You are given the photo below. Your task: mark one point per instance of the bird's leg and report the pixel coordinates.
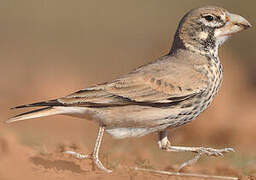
(95, 155)
(165, 144)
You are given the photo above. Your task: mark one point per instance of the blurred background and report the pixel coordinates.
(52, 48)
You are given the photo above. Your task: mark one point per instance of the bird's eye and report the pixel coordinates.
(208, 18)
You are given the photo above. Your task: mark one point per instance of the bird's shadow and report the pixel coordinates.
(59, 165)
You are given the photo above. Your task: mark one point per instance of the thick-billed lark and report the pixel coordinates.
(167, 93)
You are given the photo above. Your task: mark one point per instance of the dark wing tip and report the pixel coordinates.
(54, 102)
(22, 106)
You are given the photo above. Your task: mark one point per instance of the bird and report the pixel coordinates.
(164, 94)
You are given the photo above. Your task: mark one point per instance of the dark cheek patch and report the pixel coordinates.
(210, 42)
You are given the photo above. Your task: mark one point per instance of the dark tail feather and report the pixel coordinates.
(43, 103)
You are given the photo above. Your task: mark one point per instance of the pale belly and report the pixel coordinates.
(134, 120)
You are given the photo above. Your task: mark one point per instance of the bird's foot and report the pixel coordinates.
(201, 151)
(78, 155)
(213, 152)
(165, 144)
(92, 157)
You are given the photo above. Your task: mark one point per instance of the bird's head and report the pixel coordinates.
(205, 29)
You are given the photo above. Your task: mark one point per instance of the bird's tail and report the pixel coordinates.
(48, 110)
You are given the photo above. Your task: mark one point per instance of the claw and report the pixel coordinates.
(230, 150)
(77, 155)
(221, 154)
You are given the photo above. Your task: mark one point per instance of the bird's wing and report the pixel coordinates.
(158, 84)
(162, 82)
